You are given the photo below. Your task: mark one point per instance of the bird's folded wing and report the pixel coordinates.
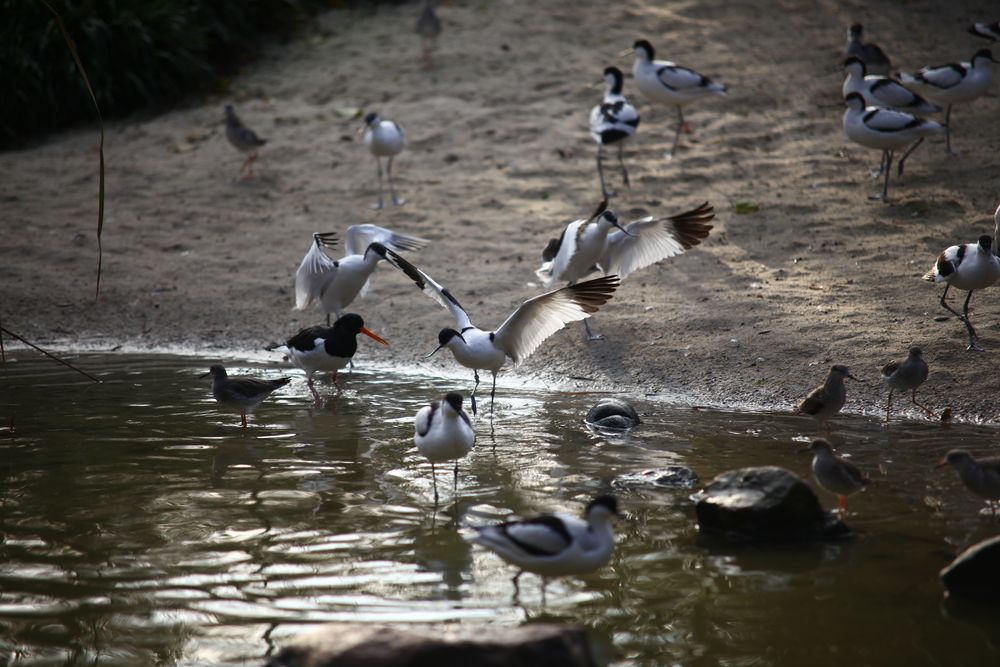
(943, 77)
(680, 78)
(431, 288)
(359, 237)
(889, 120)
(653, 240)
(538, 318)
(315, 270)
(540, 536)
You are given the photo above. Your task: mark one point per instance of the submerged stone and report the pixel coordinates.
(975, 573)
(613, 413)
(764, 504)
(371, 645)
(669, 477)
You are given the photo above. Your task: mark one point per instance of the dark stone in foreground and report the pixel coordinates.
(975, 573)
(613, 413)
(669, 477)
(764, 504)
(369, 645)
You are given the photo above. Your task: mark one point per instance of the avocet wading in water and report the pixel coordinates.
(316, 349)
(664, 82)
(520, 334)
(334, 285)
(589, 245)
(870, 54)
(554, 545)
(887, 130)
(970, 267)
(385, 139)
(243, 139)
(953, 83)
(613, 121)
(443, 432)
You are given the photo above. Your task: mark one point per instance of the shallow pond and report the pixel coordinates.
(139, 526)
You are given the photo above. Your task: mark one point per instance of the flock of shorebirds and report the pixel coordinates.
(883, 113)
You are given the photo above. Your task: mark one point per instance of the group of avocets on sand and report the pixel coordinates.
(882, 113)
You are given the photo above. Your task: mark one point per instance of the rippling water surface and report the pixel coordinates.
(139, 527)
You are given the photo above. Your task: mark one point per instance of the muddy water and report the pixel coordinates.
(139, 526)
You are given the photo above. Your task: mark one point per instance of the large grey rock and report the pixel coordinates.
(975, 573)
(764, 504)
(369, 645)
(668, 477)
(613, 413)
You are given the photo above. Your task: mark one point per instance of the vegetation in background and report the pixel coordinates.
(139, 54)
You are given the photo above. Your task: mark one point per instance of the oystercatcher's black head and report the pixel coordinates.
(371, 119)
(454, 400)
(985, 242)
(644, 48)
(603, 505)
(351, 322)
(445, 337)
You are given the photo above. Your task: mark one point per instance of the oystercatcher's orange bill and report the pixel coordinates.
(368, 332)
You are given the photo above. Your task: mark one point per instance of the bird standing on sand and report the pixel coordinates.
(326, 348)
(589, 244)
(613, 121)
(887, 130)
(336, 284)
(384, 138)
(554, 545)
(906, 375)
(883, 91)
(953, 83)
(240, 392)
(663, 82)
(981, 476)
(970, 267)
(443, 432)
(520, 334)
(871, 55)
(428, 27)
(834, 473)
(826, 400)
(990, 31)
(243, 139)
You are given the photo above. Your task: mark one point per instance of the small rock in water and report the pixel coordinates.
(975, 573)
(670, 477)
(372, 645)
(764, 504)
(613, 413)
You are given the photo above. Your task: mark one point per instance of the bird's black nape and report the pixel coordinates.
(645, 46)
(610, 503)
(454, 400)
(371, 118)
(618, 79)
(445, 336)
(986, 242)
(377, 248)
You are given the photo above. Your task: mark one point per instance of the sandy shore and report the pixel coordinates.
(499, 159)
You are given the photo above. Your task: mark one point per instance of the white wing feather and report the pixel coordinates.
(359, 237)
(538, 318)
(566, 251)
(314, 272)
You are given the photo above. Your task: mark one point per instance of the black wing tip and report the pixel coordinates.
(691, 226)
(590, 295)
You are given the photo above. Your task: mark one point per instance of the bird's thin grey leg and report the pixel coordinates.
(517, 586)
(677, 135)
(947, 132)
(930, 413)
(590, 334)
(621, 162)
(493, 394)
(973, 345)
(472, 399)
(885, 184)
(899, 167)
(875, 173)
(392, 189)
(544, 583)
(378, 164)
(434, 482)
(454, 487)
(600, 172)
(888, 406)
